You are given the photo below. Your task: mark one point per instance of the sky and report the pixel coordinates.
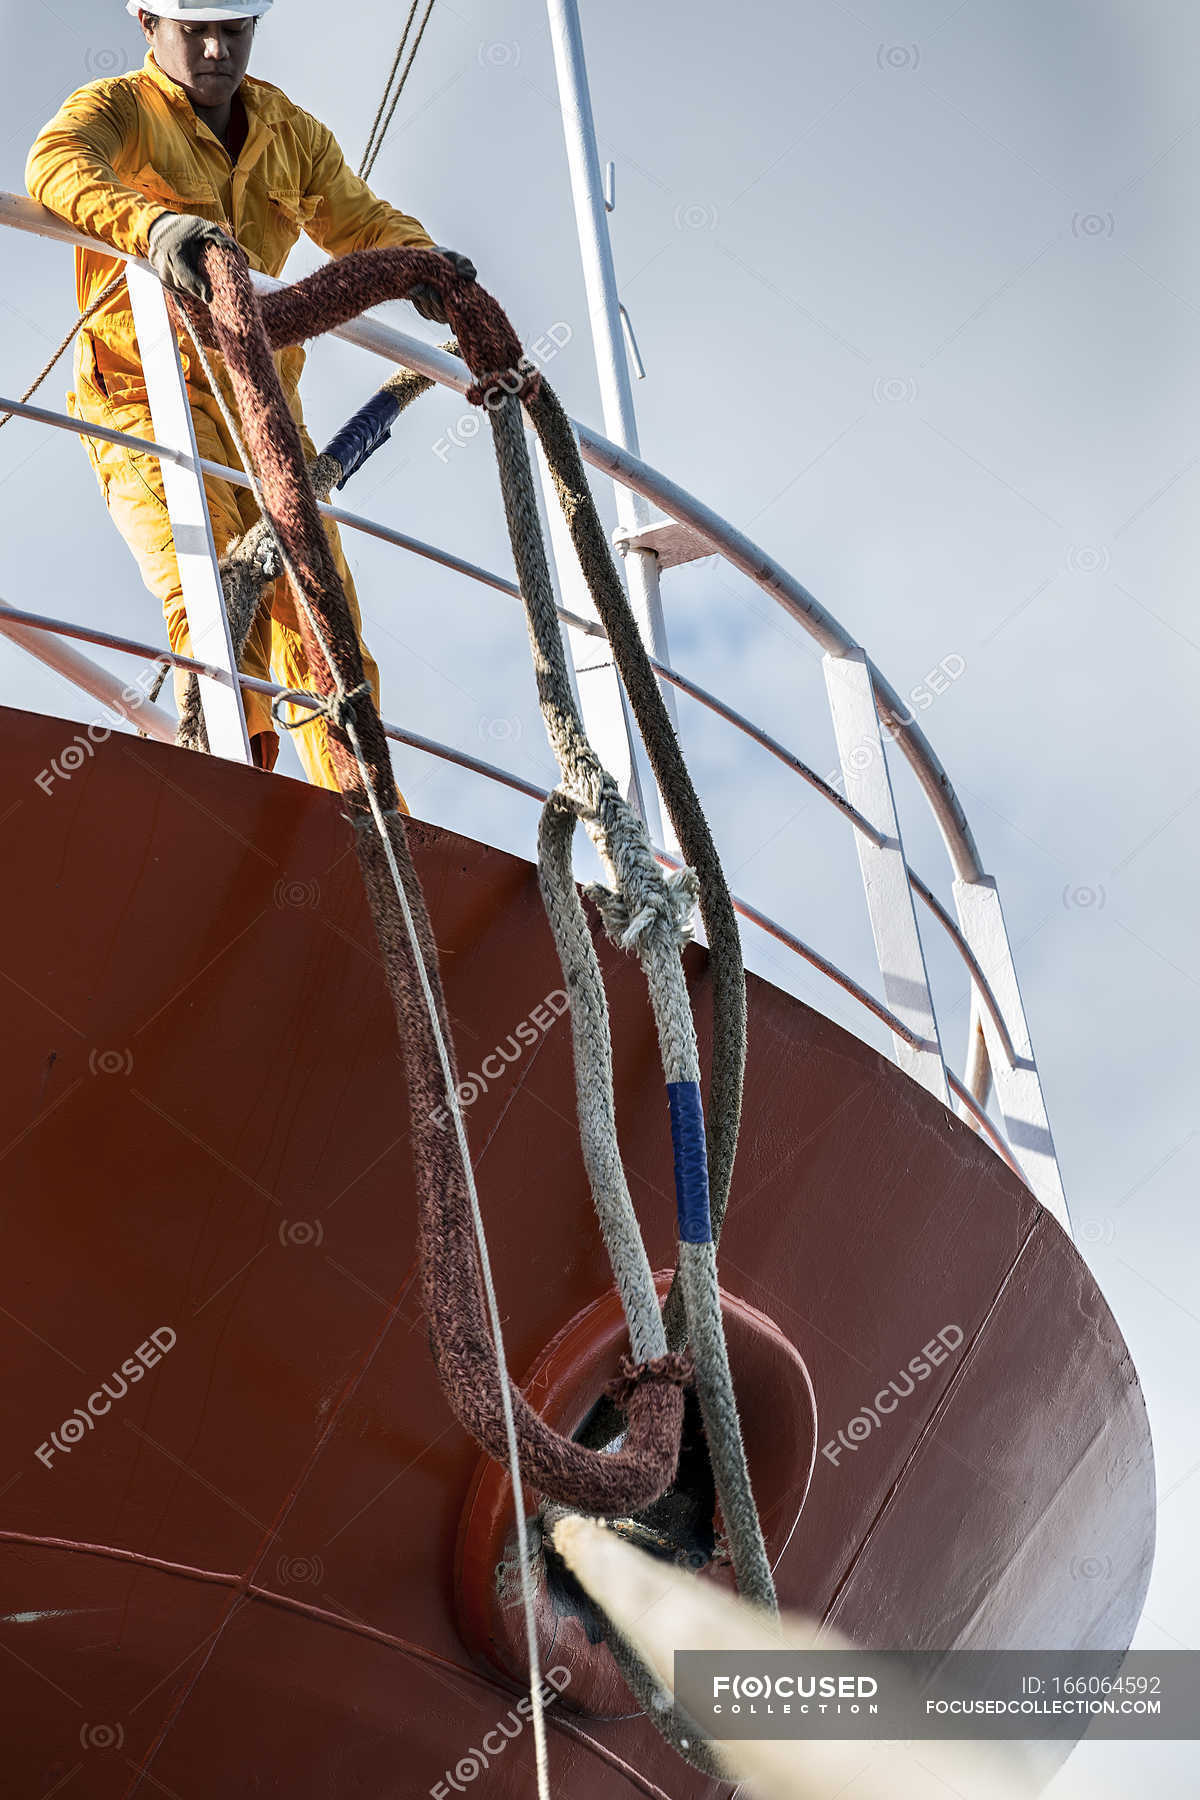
(917, 288)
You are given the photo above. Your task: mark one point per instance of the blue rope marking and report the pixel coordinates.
(362, 435)
(691, 1162)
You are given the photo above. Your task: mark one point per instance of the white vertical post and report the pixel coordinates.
(884, 870)
(199, 570)
(128, 699)
(598, 689)
(1018, 1087)
(612, 366)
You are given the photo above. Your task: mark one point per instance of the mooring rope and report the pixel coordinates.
(251, 563)
(642, 909)
(340, 707)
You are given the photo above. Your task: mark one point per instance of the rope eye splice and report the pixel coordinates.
(651, 914)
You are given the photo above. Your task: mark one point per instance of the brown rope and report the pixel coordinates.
(723, 1113)
(83, 318)
(633, 1477)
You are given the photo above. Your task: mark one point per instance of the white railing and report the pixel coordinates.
(866, 713)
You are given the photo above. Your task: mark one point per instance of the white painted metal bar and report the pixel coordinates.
(884, 871)
(1018, 1085)
(403, 540)
(128, 699)
(741, 552)
(10, 623)
(38, 624)
(992, 1002)
(191, 527)
(609, 342)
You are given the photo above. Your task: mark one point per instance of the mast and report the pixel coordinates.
(612, 368)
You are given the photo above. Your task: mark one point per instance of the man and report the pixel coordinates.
(158, 162)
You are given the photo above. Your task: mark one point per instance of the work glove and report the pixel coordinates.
(175, 245)
(426, 298)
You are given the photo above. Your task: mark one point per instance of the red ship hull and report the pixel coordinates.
(259, 1570)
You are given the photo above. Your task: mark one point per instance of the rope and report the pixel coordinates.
(374, 145)
(642, 909)
(648, 913)
(644, 1467)
(387, 88)
(342, 714)
(250, 563)
(83, 318)
(683, 806)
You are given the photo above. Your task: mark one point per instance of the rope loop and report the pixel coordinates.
(337, 707)
(672, 907)
(491, 390)
(676, 1369)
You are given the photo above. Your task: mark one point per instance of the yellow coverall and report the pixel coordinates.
(117, 154)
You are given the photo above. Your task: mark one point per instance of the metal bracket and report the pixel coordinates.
(670, 541)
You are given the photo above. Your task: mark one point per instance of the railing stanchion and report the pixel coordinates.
(199, 570)
(1018, 1086)
(884, 870)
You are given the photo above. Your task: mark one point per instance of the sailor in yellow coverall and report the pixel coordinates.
(187, 142)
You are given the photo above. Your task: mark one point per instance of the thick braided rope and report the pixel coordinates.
(592, 1045)
(645, 920)
(683, 805)
(464, 1349)
(647, 913)
(251, 563)
(643, 910)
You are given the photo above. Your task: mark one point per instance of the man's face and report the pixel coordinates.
(207, 59)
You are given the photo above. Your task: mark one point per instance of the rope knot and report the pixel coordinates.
(669, 902)
(675, 1369)
(337, 707)
(492, 390)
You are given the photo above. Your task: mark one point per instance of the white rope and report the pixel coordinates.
(514, 1462)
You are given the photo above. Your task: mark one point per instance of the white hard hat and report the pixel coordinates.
(201, 12)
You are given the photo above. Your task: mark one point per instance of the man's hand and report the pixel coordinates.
(426, 298)
(175, 246)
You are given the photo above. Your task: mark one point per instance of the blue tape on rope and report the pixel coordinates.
(691, 1162)
(362, 435)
